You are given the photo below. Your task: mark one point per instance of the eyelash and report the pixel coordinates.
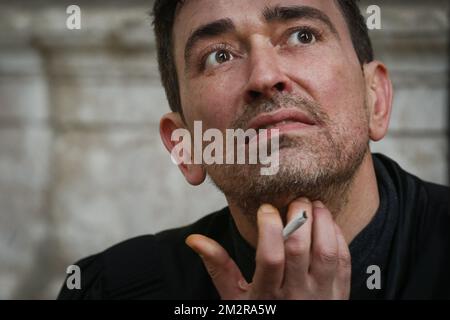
(223, 46)
(215, 47)
(315, 32)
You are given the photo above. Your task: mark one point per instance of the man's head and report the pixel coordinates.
(164, 17)
(226, 62)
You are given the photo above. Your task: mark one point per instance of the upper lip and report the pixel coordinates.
(267, 119)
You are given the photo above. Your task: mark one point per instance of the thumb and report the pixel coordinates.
(223, 271)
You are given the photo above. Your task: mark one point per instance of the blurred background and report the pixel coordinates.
(81, 162)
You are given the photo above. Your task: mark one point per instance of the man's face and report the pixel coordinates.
(260, 57)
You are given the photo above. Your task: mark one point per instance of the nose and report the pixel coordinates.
(266, 77)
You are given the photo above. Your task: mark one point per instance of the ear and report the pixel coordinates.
(194, 173)
(379, 94)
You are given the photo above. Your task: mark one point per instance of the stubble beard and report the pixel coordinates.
(319, 165)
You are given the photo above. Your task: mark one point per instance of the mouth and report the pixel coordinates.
(284, 120)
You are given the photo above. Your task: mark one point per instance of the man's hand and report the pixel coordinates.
(313, 263)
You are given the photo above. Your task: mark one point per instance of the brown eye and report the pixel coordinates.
(305, 37)
(218, 57)
(222, 56)
(302, 37)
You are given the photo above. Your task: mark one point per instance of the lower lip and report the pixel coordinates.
(283, 128)
(290, 126)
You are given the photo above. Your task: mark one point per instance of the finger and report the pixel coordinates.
(324, 246)
(298, 245)
(223, 271)
(343, 277)
(269, 253)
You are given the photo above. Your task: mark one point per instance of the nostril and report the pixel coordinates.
(280, 86)
(268, 91)
(254, 94)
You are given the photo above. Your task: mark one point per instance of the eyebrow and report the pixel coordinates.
(270, 14)
(286, 13)
(208, 30)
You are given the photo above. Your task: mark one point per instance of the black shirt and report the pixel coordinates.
(408, 239)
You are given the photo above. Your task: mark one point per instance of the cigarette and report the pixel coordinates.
(294, 225)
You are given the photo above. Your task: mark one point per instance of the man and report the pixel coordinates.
(306, 69)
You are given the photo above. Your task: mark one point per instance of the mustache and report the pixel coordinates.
(279, 101)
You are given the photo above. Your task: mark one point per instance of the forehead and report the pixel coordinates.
(194, 13)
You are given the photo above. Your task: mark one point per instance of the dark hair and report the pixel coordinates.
(163, 21)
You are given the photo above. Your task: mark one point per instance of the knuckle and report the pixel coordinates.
(270, 262)
(213, 272)
(296, 249)
(345, 261)
(327, 256)
(216, 271)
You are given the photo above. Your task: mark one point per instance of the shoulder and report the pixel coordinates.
(412, 190)
(141, 266)
(438, 195)
(422, 234)
(422, 207)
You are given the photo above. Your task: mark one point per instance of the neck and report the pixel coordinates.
(352, 208)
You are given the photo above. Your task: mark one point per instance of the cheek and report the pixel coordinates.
(338, 87)
(213, 100)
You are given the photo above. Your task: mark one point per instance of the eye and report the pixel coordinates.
(302, 37)
(218, 57)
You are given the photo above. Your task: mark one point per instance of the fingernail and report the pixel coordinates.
(193, 248)
(305, 200)
(266, 208)
(318, 204)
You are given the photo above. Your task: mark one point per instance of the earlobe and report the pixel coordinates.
(170, 127)
(379, 99)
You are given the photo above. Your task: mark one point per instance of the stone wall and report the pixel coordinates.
(81, 162)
